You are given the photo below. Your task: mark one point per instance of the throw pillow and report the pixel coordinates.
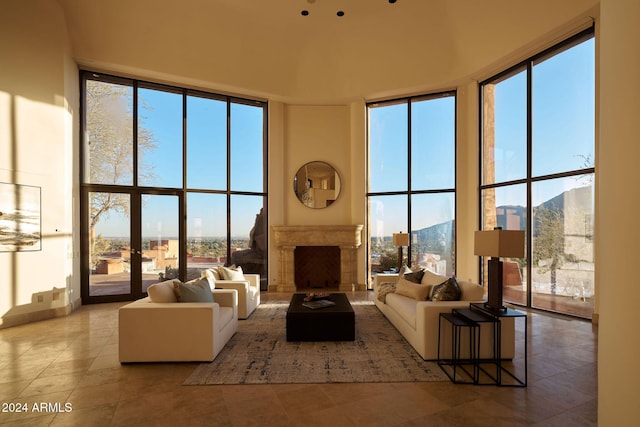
(215, 271)
(404, 270)
(431, 278)
(446, 291)
(414, 276)
(162, 292)
(211, 275)
(412, 290)
(231, 273)
(197, 290)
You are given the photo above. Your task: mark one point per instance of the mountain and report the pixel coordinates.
(440, 234)
(514, 217)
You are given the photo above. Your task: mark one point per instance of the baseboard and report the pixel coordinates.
(10, 321)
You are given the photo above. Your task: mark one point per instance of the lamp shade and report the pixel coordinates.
(499, 243)
(400, 239)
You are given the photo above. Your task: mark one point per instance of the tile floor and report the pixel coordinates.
(73, 361)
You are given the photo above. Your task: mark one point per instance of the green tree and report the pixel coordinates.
(389, 260)
(548, 249)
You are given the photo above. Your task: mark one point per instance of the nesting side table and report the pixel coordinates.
(484, 371)
(457, 363)
(501, 367)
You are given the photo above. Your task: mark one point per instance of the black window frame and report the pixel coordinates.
(526, 65)
(183, 190)
(410, 191)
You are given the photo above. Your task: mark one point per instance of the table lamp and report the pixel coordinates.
(498, 243)
(400, 239)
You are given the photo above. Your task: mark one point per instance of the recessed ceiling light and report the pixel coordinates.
(304, 13)
(340, 13)
(392, 1)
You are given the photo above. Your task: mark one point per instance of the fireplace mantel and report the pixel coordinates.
(287, 237)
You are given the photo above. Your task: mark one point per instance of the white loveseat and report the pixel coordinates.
(417, 321)
(177, 331)
(247, 285)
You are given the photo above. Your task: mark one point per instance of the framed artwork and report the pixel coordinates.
(19, 218)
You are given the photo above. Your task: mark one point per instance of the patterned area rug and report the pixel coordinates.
(260, 354)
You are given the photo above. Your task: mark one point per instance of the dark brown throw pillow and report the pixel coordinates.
(404, 270)
(448, 290)
(414, 276)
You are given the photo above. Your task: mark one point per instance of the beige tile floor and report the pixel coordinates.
(73, 361)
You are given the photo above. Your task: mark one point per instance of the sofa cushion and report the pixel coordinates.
(412, 290)
(384, 289)
(446, 291)
(470, 291)
(162, 292)
(231, 273)
(405, 307)
(197, 290)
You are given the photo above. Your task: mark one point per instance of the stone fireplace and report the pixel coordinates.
(346, 238)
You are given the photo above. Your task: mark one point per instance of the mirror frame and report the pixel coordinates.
(306, 184)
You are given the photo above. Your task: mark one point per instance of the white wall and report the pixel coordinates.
(38, 100)
(467, 164)
(617, 214)
(316, 133)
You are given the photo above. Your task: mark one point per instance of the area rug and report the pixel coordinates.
(260, 354)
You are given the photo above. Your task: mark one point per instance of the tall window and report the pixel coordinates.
(173, 182)
(412, 150)
(537, 167)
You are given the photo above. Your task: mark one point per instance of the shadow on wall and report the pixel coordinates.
(44, 305)
(20, 221)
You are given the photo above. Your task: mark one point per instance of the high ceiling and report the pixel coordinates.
(268, 49)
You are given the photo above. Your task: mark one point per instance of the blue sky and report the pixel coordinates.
(563, 139)
(563, 103)
(207, 166)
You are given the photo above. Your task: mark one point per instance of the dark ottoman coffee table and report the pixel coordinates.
(335, 323)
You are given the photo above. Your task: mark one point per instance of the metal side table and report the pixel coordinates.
(458, 365)
(499, 315)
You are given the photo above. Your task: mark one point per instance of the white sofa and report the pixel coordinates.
(417, 321)
(248, 290)
(177, 331)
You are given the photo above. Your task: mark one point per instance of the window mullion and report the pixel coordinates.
(409, 173)
(528, 232)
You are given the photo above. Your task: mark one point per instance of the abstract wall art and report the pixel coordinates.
(19, 218)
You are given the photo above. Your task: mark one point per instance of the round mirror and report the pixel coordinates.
(316, 185)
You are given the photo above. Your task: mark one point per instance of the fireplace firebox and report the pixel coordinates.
(317, 267)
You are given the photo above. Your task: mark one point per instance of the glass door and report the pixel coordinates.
(159, 256)
(109, 244)
(132, 243)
